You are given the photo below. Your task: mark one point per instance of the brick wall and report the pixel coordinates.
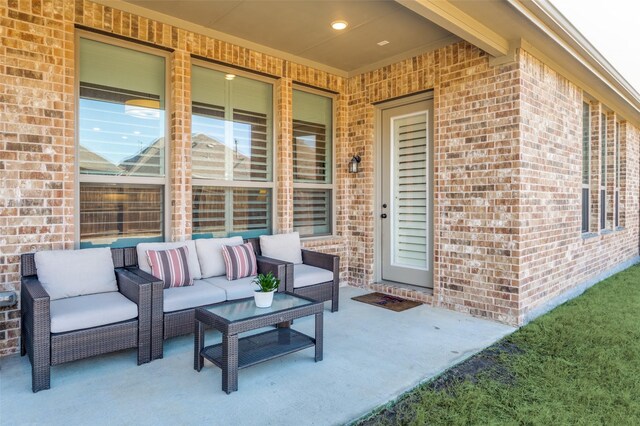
(475, 149)
(37, 136)
(507, 149)
(554, 256)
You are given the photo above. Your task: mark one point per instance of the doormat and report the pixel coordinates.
(392, 303)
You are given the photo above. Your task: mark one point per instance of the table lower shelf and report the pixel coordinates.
(262, 347)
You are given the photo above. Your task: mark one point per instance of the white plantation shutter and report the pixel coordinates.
(109, 213)
(312, 163)
(221, 211)
(312, 211)
(231, 154)
(121, 150)
(410, 159)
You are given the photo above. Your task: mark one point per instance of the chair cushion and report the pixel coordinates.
(240, 261)
(210, 254)
(200, 293)
(237, 289)
(306, 275)
(171, 266)
(282, 246)
(92, 310)
(71, 273)
(194, 266)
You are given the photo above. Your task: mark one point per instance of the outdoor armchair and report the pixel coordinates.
(309, 273)
(58, 329)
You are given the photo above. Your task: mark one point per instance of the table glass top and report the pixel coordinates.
(246, 308)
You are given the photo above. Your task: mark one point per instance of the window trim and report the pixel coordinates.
(603, 171)
(587, 185)
(616, 176)
(334, 163)
(274, 144)
(139, 180)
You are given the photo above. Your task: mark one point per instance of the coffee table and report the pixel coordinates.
(239, 316)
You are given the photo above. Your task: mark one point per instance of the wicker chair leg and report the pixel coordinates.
(40, 377)
(334, 303)
(23, 340)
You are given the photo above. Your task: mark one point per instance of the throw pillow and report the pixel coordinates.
(210, 254)
(171, 266)
(240, 261)
(282, 247)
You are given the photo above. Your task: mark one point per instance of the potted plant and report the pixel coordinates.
(268, 285)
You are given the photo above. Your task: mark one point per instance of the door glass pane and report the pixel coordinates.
(410, 191)
(119, 215)
(222, 212)
(121, 111)
(232, 127)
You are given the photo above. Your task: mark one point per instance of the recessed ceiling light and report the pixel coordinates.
(339, 25)
(383, 42)
(230, 76)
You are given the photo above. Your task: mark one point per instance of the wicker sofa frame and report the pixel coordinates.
(322, 292)
(171, 324)
(46, 349)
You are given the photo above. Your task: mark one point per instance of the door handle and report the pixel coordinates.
(383, 215)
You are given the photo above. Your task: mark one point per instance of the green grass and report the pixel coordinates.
(579, 364)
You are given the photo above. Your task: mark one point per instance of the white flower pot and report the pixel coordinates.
(263, 299)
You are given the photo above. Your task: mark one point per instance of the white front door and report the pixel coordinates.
(406, 210)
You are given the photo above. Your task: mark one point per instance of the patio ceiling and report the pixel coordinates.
(303, 28)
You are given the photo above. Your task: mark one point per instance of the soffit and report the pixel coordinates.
(302, 28)
(554, 42)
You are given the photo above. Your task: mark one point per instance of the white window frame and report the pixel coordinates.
(323, 186)
(616, 177)
(602, 220)
(164, 181)
(587, 185)
(271, 185)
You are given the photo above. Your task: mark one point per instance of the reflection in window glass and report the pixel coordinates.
(222, 212)
(121, 136)
(231, 127)
(312, 163)
(231, 154)
(120, 215)
(121, 111)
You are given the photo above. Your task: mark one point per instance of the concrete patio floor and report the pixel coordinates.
(371, 356)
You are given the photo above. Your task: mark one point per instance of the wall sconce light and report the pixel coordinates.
(354, 164)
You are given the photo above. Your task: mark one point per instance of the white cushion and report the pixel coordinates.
(194, 266)
(306, 275)
(93, 310)
(282, 247)
(210, 254)
(70, 273)
(236, 289)
(200, 293)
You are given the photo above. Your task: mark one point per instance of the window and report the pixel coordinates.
(603, 171)
(586, 165)
(312, 163)
(121, 145)
(232, 150)
(617, 178)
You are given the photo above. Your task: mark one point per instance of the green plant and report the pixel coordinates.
(267, 282)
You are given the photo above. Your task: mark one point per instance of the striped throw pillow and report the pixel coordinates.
(171, 266)
(240, 261)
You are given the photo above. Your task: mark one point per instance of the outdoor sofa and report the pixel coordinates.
(173, 309)
(79, 304)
